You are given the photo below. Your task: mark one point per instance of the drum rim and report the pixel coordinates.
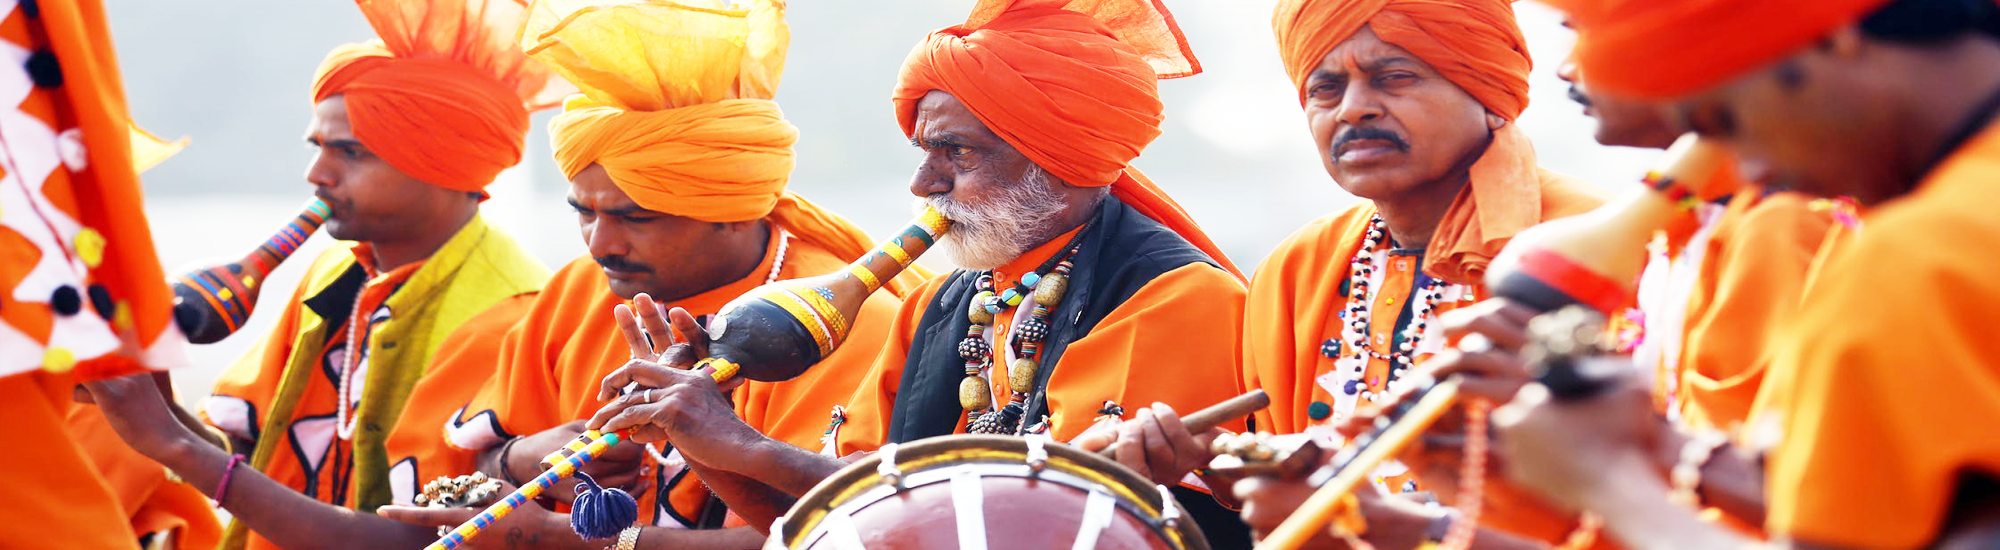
(807, 517)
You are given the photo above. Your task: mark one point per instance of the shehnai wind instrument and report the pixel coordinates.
(1591, 260)
(772, 333)
(212, 302)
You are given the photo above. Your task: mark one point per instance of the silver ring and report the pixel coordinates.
(647, 396)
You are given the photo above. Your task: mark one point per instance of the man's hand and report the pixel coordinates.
(621, 466)
(659, 335)
(1393, 521)
(1568, 451)
(1155, 444)
(529, 526)
(136, 408)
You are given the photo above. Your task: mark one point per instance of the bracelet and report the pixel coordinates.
(507, 474)
(222, 489)
(627, 539)
(1686, 475)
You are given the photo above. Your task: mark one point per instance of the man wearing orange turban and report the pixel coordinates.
(1029, 116)
(678, 162)
(1412, 105)
(1888, 365)
(410, 129)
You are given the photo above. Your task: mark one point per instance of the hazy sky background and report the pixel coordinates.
(235, 75)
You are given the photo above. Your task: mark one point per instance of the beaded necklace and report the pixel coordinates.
(350, 362)
(1358, 318)
(975, 392)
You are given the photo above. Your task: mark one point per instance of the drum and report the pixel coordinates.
(986, 491)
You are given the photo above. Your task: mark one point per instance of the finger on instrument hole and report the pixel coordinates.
(635, 337)
(655, 323)
(646, 373)
(696, 336)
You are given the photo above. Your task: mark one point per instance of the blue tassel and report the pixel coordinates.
(600, 513)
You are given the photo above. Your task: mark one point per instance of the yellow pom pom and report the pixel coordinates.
(58, 360)
(90, 247)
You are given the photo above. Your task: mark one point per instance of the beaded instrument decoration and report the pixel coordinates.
(565, 467)
(779, 329)
(975, 393)
(213, 302)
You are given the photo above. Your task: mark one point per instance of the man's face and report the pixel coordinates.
(1387, 123)
(1809, 123)
(369, 199)
(1620, 121)
(639, 249)
(1000, 203)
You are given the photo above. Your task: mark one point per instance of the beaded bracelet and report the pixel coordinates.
(222, 489)
(1686, 475)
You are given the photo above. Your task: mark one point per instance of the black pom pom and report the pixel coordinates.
(44, 70)
(100, 300)
(66, 301)
(30, 8)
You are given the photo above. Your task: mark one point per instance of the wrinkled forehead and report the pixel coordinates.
(942, 116)
(1365, 52)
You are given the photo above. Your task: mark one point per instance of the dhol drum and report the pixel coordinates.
(986, 491)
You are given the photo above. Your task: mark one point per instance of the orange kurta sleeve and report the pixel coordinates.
(153, 502)
(799, 411)
(1893, 371)
(417, 446)
(865, 426)
(1749, 286)
(1175, 341)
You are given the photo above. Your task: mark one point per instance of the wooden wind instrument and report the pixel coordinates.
(1591, 259)
(210, 303)
(772, 333)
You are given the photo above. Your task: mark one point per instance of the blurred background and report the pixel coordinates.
(235, 76)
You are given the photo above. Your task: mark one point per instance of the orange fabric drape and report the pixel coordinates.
(1664, 48)
(1071, 84)
(443, 95)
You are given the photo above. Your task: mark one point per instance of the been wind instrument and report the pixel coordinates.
(772, 333)
(211, 303)
(1590, 260)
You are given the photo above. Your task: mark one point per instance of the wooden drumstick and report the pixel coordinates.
(1207, 419)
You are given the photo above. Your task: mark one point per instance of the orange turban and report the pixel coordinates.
(1473, 43)
(1657, 49)
(676, 106)
(443, 95)
(1072, 84)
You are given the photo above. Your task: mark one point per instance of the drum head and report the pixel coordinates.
(985, 491)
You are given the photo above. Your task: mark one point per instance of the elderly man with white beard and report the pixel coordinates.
(1084, 296)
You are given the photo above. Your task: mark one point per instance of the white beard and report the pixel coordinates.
(1015, 220)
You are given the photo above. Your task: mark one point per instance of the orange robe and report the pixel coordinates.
(1170, 342)
(1295, 305)
(154, 502)
(552, 364)
(1713, 302)
(1889, 381)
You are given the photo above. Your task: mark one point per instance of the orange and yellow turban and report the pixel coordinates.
(676, 106)
(442, 95)
(1072, 84)
(1658, 49)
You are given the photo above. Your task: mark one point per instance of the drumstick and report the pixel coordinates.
(1207, 419)
(1325, 501)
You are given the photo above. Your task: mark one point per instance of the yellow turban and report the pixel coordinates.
(676, 106)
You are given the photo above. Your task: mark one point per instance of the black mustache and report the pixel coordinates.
(619, 263)
(1576, 94)
(1369, 132)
